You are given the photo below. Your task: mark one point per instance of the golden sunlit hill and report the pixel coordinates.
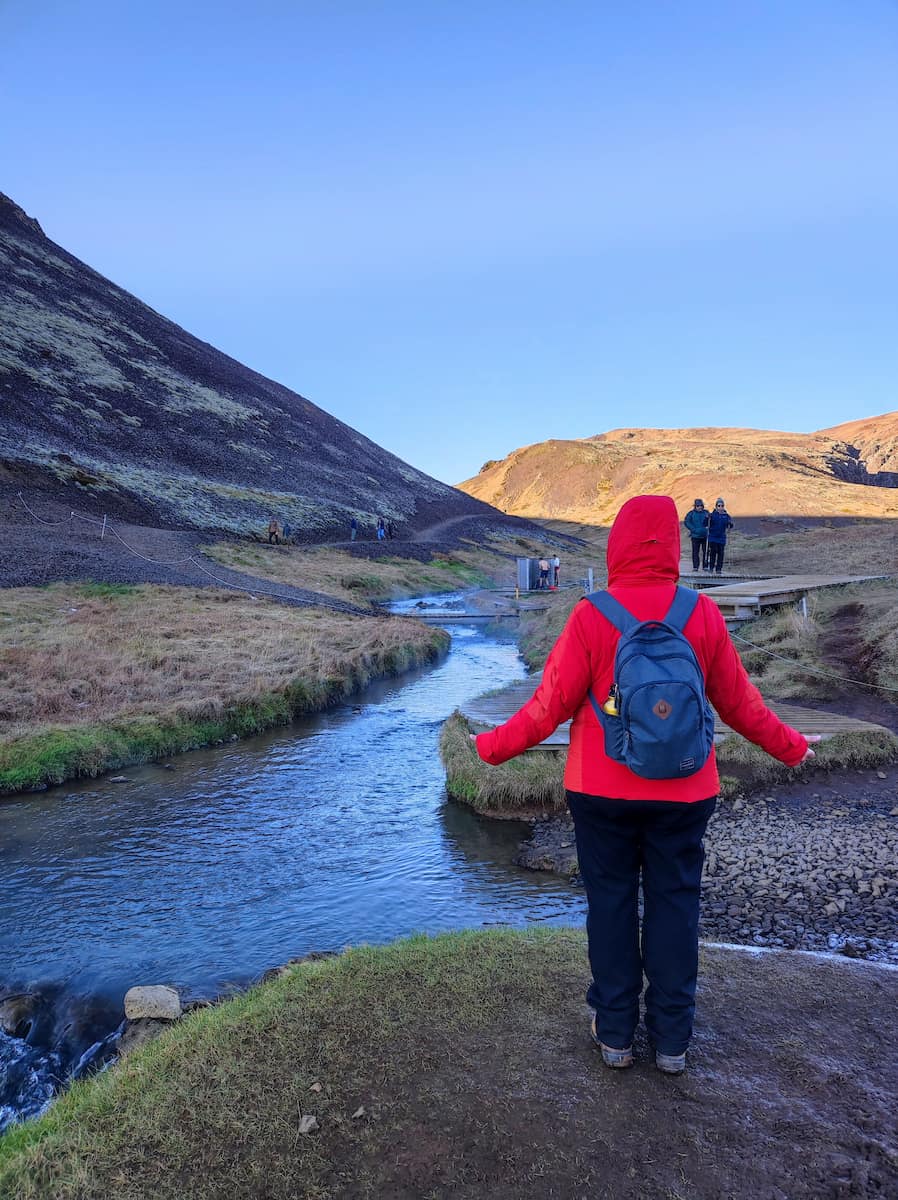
(850, 470)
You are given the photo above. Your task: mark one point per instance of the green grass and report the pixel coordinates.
(744, 767)
(227, 1084)
(91, 589)
(461, 1066)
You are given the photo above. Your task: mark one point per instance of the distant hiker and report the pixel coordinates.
(718, 525)
(630, 827)
(390, 530)
(288, 530)
(381, 531)
(556, 569)
(543, 573)
(696, 521)
(273, 532)
(353, 529)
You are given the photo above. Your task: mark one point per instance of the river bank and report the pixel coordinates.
(286, 1093)
(204, 871)
(99, 677)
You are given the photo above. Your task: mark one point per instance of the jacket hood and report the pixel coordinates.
(644, 543)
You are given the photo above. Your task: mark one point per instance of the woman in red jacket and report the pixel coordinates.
(628, 827)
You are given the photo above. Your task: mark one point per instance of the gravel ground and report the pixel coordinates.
(76, 548)
(807, 866)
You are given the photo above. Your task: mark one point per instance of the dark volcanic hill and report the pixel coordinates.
(107, 405)
(850, 470)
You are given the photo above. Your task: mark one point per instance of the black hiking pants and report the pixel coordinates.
(699, 552)
(715, 556)
(621, 843)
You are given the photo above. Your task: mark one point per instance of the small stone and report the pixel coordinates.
(118, 778)
(308, 1124)
(316, 1087)
(881, 775)
(831, 909)
(894, 812)
(359, 1112)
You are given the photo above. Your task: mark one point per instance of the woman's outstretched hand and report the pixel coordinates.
(809, 753)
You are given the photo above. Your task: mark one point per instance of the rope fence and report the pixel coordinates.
(108, 527)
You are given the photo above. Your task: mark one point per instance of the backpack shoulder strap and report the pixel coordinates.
(621, 618)
(682, 608)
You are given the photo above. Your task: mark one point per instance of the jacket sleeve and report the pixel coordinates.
(565, 682)
(739, 702)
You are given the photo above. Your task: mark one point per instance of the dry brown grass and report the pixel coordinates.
(865, 548)
(94, 676)
(355, 580)
(72, 657)
(788, 664)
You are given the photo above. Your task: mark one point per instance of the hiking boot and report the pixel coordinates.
(618, 1060)
(670, 1064)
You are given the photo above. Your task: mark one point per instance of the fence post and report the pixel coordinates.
(103, 530)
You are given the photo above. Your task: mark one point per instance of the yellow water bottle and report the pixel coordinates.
(610, 705)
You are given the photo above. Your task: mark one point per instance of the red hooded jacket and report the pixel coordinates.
(643, 567)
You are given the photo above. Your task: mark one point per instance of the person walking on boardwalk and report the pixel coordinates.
(718, 525)
(629, 828)
(696, 521)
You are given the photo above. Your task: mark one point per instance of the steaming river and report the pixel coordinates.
(331, 832)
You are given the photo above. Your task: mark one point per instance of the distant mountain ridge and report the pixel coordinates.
(104, 403)
(848, 470)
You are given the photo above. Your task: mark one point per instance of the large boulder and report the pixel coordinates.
(154, 1002)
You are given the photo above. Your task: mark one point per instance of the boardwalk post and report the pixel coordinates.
(589, 587)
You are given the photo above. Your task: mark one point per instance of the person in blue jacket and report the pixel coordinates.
(696, 521)
(718, 525)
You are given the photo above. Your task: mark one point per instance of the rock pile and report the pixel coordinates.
(812, 867)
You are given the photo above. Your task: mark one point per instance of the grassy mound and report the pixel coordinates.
(461, 1066)
(527, 784)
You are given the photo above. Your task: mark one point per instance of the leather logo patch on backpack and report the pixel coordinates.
(662, 710)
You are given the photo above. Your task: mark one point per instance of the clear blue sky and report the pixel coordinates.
(465, 227)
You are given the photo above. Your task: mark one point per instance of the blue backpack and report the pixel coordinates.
(657, 719)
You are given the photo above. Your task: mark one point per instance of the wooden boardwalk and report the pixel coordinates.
(742, 601)
(498, 707)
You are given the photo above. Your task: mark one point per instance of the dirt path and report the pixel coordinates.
(64, 548)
